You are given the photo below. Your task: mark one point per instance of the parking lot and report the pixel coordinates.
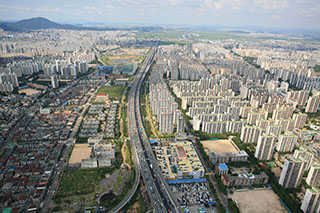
(189, 194)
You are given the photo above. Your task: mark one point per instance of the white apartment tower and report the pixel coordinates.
(313, 178)
(292, 172)
(311, 201)
(166, 123)
(299, 120)
(54, 81)
(180, 124)
(250, 134)
(265, 146)
(305, 154)
(286, 142)
(313, 104)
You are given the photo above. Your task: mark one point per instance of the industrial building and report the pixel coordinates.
(179, 160)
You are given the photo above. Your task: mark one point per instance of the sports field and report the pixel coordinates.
(80, 152)
(219, 146)
(260, 201)
(29, 91)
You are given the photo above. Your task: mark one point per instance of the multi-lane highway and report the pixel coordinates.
(156, 186)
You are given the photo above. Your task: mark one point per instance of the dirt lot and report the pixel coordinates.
(29, 91)
(276, 171)
(80, 152)
(219, 146)
(260, 201)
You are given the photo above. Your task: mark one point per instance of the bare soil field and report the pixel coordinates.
(260, 201)
(29, 91)
(80, 152)
(219, 146)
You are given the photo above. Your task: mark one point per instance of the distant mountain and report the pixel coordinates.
(34, 24)
(42, 23)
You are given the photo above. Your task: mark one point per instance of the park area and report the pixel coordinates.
(113, 91)
(79, 185)
(219, 146)
(84, 186)
(262, 201)
(125, 56)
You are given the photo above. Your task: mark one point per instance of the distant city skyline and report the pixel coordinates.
(264, 13)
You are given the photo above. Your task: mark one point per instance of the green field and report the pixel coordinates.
(106, 60)
(113, 91)
(83, 181)
(110, 200)
(136, 203)
(184, 36)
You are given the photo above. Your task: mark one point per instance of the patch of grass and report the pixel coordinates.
(119, 159)
(185, 36)
(106, 60)
(313, 114)
(233, 207)
(113, 91)
(252, 61)
(110, 200)
(81, 140)
(147, 124)
(82, 181)
(124, 120)
(128, 154)
(174, 42)
(96, 62)
(136, 204)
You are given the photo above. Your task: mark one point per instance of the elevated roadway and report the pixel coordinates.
(145, 161)
(157, 188)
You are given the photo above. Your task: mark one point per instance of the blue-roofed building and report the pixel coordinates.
(153, 142)
(104, 70)
(223, 169)
(198, 180)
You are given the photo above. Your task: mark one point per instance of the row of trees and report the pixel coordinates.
(215, 194)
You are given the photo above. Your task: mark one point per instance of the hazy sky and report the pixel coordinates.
(268, 13)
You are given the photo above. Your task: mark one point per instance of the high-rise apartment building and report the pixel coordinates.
(166, 123)
(286, 142)
(274, 130)
(305, 154)
(292, 172)
(265, 146)
(250, 134)
(313, 104)
(311, 201)
(54, 81)
(313, 178)
(180, 124)
(299, 120)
